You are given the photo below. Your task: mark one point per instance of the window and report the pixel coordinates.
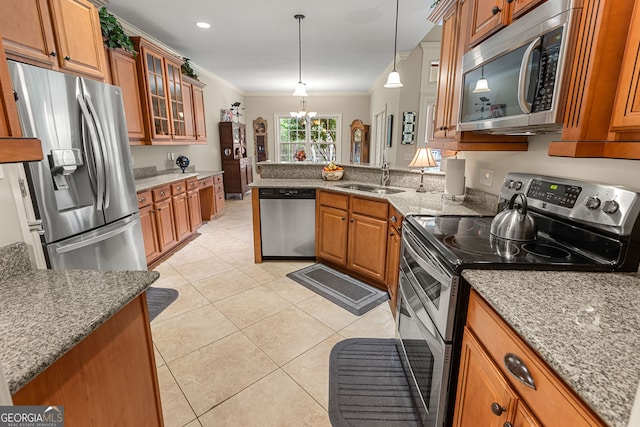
(317, 138)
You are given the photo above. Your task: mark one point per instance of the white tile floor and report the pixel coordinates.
(243, 345)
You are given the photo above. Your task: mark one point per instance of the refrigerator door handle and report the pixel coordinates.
(103, 147)
(93, 240)
(97, 153)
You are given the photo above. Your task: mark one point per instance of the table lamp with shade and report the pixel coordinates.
(422, 159)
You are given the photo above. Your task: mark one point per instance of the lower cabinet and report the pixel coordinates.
(195, 212)
(352, 233)
(108, 378)
(238, 174)
(503, 382)
(165, 218)
(211, 196)
(393, 255)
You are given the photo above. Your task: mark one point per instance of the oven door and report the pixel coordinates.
(435, 285)
(426, 357)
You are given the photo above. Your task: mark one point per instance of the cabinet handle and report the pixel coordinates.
(352, 220)
(519, 370)
(509, 1)
(507, 424)
(343, 218)
(179, 188)
(162, 193)
(67, 58)
(392, 234)
(53, 53)
(497, 409)
(495, 10)
(141, 199)
(393, 218)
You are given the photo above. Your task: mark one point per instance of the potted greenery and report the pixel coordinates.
(188, 70)
(112, 33)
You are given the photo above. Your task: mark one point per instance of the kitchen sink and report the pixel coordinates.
(371, 188)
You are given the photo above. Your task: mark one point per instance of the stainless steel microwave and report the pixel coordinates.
(513, 81)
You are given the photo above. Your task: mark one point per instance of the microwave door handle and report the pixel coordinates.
(103, 147)
(96, 157)
(525, 105)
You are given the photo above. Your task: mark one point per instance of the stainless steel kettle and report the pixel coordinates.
(515, 223)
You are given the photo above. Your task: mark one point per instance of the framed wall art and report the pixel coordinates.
(389, 129)
(408, 127)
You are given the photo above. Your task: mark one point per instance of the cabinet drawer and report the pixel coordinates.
(191, 183)
(369, 207)
(145, 198)
(339, 201)
(219, 189)
(217, 179)
(204, 183)
(552, 399)
(178, 188)
(161, 193)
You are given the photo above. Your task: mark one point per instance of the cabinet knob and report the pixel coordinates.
(67, 58)
(495, 10)
(352, 220)
(507, 424)
(53, 53)
(162, 193)
(392, 234)
(509, 1)
(343, 218)
(141, 199)
(179, 188)
(393, 218)
(497, 409)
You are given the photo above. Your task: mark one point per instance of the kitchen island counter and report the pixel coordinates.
(585, 326)
(46, 313)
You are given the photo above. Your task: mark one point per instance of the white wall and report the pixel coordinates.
(351, 107)
(10, 231)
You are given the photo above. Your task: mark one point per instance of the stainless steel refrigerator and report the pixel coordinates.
(83, 190)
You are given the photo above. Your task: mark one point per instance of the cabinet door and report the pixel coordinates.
(393, 264)
(524, 417)
(149, 232)
(25, 26)
(520, 7)
(125, 75)
(447, 70)
(332, 234)
(199, 114)
(368, 246)
(483, 398)
(165, 223)
(195, 212)
(243, 177)
(626, 112)
(156, 93)
(176, 101)
(77, 30)
(249, 172)
(487, 17)
(189, 118)
(181, 216)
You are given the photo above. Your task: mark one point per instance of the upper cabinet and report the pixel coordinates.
(56, 34)
(602, 113)
(455, 18)
(173, 107)
(123, 73)
(489, 16)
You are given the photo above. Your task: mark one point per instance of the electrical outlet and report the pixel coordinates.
(486, 177)
(408, 156)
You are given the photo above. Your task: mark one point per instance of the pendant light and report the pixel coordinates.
(393, 81)
(300, 87)
(302, 113)
(482, 85)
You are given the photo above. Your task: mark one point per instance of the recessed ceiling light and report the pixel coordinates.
(202, 24)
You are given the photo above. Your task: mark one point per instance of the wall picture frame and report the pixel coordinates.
(408, 127)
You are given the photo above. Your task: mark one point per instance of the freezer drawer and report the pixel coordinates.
(288, 225)
(117, 246)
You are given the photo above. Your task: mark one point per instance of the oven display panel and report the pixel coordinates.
(556, 194)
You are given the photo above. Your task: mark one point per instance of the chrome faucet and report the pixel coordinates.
(384, 178)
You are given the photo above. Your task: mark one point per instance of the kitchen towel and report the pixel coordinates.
(454, 177)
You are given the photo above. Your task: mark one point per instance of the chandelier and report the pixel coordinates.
(300, 87)
(302, 112)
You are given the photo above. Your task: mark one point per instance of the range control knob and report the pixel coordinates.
(592, 203)
(517, 185)
(508, 183)
(610, 207)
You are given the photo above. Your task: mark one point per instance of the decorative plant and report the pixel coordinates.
(435, 3)
(113, 34)
(187, 70)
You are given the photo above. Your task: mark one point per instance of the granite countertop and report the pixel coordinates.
(406, 202)
(586, 326)
(165, 178)
(45, 313)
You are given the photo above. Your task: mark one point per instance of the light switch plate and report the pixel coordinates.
(486, 177)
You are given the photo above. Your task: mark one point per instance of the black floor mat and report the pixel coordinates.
(368, 386)
(158, 299)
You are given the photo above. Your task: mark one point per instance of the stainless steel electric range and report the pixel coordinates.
(581, 226)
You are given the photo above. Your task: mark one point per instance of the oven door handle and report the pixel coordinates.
(427, 262)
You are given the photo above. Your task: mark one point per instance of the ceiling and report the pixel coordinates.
(253, 44)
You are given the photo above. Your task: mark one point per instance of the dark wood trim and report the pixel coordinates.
(13, 150)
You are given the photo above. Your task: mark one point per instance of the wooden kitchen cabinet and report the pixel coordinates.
(195, 124)
(165, 219)
(62, 35)
(393, 255)
(235, 163)
(124, 73)
(149, 225)
(193, 204)
(484, 379)
(352, 233)
(161, 92)
(211, 196)
(600, 118)
(108, 378)
(455, 18)
(180, 209)
(489, 16)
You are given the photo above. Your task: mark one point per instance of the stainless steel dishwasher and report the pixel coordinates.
(288, 223)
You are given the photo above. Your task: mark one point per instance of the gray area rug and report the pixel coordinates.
(339, 288)
(158, 299)
(368, 386)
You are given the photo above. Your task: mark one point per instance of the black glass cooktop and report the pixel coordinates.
(466, 242)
